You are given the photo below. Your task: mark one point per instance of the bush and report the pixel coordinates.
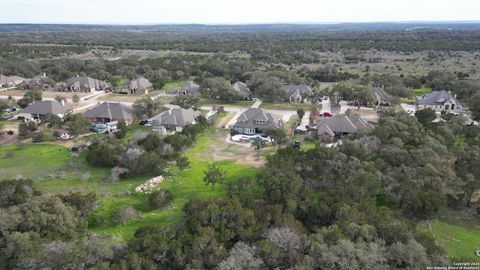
(159, 198)
(124, 214)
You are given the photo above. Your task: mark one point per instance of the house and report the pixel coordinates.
(382, 97)
(110, 111)
(139, 86)
(256, 120)
(40, 109)
(40, 82)
(242, 90)
(439, 101)
(85, 84)
(175, 119)
(337, 126)
(10, 81)
(188, 88)
(297, 93)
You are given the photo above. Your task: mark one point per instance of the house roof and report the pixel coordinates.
(176, 117)
(292, 88)
(85, 82)
(342, 124)
(251, 115)
(10, 79)
(188, 87)
(436, 98)
(39, 80)
(241, 88)
(381, 94)
(140, 83)
(110, 110)
(46, 107)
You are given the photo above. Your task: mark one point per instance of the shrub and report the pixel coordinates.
(159, 198)
(124, 214)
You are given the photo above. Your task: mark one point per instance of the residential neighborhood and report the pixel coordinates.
(240, 145)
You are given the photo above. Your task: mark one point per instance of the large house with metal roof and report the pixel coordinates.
(109, 112)
(85, 84)
(297, 93)
(256, 120)
(338, 126)
(175, 119)
(439, 101)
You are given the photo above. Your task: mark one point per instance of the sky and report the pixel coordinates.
(235, 12)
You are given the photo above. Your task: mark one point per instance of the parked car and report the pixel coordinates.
(7, 117)
(327, 114)
(10, 110)
(64, 137)
(99, 128)
(147, 123)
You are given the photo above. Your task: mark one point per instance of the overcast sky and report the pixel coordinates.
(234, 12)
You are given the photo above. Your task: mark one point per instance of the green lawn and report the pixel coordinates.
(239, 103)
(172, 85)
(460, 238)
(421, 91)
(290, 106)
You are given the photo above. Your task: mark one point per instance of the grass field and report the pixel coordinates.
(422, 91)
(172, 85)
(460, 238)
(239, 103)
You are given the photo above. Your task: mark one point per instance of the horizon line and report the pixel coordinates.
(249, 23)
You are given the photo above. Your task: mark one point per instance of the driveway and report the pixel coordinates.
(410, 109)
(326, 106)
(343, 106)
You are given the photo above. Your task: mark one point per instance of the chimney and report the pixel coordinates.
(62, 102)
(44, 75)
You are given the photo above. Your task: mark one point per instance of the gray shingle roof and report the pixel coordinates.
(188, 87)
(291, 89)
(85, 82)
(247, 119)
(342, 124)
(176, 117)
(140, 84)
(46, 107)
(380, 92)
(4, 80)
(110, 110)
(241, 89)
(436, 98)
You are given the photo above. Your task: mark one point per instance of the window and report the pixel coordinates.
(261, 122)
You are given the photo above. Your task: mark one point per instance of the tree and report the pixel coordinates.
(14, 192)
(121, 130)
(213, 175)
(146, 107)
(33, 96)
(425, 116)
(187, 102)
(258, 144)
(124, 214)
(75, 99)
(60, 99)
(53, 120)
(474, 105)
(159, 198)
(76, 123)
(25, 128)
(471, 185)
(183, 163)
(277, 135)
(300, 113)
(3, 106)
